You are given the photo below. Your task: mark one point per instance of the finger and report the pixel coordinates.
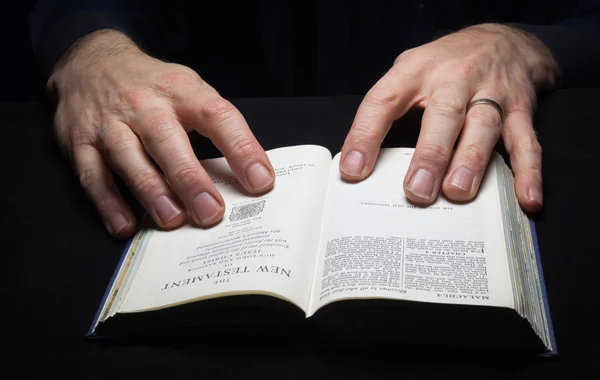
(388, 100)
(126, 155)
(96, 179)
(442, 121)
(525, 158)
(479, 135)
(217, 119)
(167, 143)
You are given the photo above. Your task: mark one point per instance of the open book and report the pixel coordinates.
(354, 257)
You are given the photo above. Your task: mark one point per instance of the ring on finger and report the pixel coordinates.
(489, 102)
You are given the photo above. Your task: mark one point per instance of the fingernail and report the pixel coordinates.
(462, 178)
(166, 209)
(421, 184)
(353, 164)
(206, 207)
(117, 223)
(259, 177)
(534, 195)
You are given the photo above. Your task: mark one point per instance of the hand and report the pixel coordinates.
(485, 61)
(119, 108)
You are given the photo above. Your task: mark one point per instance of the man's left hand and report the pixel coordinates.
(489, 61)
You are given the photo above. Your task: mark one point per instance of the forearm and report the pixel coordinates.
(55, 25)
(98, 45)
(574, 43)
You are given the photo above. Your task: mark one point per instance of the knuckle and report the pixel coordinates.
(88, 178)
(474, 156)
(157, 125)
(364, 131)
(521, 93)
(177, 81)
(103, 203)
(451, 106)
(406, 55)
(528, 153)
(69, 132)
(433, 154)
(186, 71)
(172, 79)
(146, 183)
(242, 147)
(115, 141)
(382, 96)
(528, 145)
(468, 69)
(523, 102)
(136, 98)
(186, 174)
(486, 117)
(159, 137)
(417, 60)
(78, 137)
(535, 167)
(217, 109)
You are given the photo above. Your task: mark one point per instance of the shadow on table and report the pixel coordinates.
(331, 337)
(309, 342)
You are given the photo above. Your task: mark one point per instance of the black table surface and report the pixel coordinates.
(57, 259)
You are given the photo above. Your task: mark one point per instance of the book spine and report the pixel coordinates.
(90, 333)
(536, 248)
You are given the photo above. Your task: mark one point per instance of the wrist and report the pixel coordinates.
(537, 60)
(95, 48)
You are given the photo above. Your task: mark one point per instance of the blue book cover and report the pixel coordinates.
(544, 295)
(91, 334)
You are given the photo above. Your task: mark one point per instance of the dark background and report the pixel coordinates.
(20, 80)
(56, 260)
(45, 313)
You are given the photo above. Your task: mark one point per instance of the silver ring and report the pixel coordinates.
(488, 102)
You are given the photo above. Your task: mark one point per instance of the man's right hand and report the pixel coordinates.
(119, 108)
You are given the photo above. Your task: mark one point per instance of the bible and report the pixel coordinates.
(354, 259)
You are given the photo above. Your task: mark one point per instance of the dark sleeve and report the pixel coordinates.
(575, 43)
(55, 25)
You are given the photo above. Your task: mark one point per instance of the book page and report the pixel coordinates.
(376, 244)
(264, 245)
